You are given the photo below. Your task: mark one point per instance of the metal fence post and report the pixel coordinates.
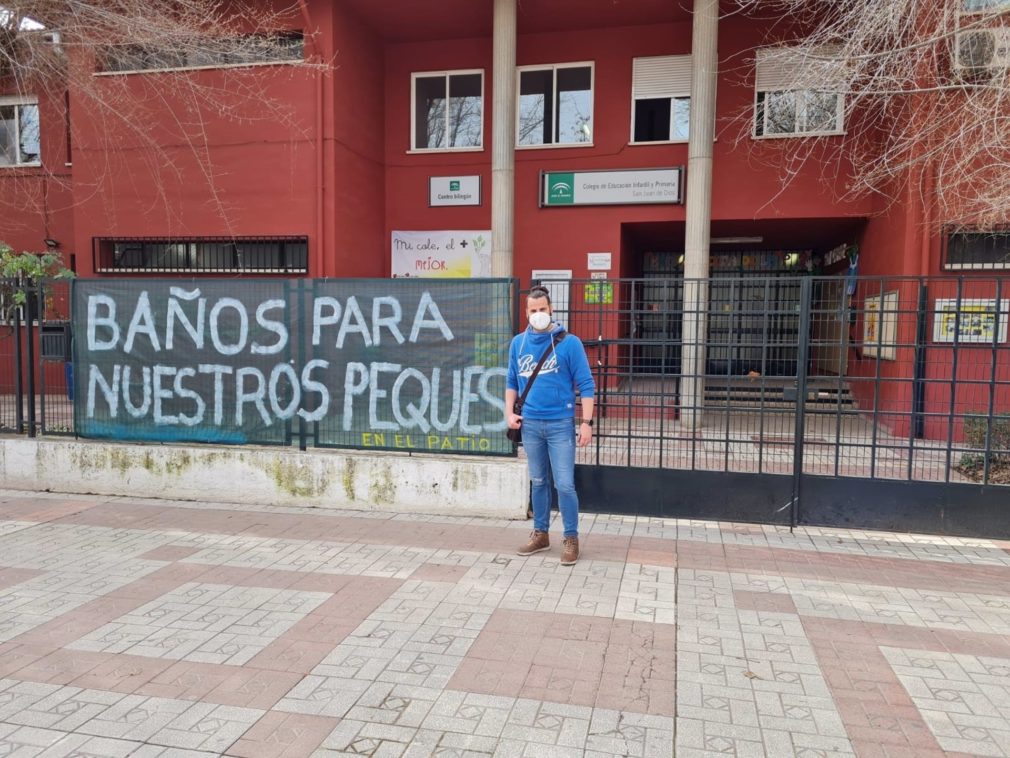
(19, 390)
(40, 299)
(919, 378)
(30, 359)
(802, 359)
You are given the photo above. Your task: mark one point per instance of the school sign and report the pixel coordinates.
(391, 364)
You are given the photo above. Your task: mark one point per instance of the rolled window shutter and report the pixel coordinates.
(661, 76)
(788, 68)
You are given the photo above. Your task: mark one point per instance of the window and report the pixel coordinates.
(555, 105)
(978, 250)
(793, 93)
(247, 51)
(982, 6)
(661, 98)
(19, 132)
(207, 255)
(456, 127)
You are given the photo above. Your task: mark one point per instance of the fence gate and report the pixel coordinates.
(870, 402)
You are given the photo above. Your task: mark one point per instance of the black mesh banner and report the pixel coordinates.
(415, 365)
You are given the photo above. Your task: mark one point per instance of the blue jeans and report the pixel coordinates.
(550, 448)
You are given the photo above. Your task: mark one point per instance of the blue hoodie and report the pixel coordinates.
(553, 393)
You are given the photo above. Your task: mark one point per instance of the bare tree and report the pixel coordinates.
(926, 88)
(49, 48)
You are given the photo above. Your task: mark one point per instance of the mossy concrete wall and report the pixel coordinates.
(440, 485)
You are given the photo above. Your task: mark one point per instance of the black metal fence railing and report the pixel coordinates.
(880, 378)
(903, 379)
(36, 383)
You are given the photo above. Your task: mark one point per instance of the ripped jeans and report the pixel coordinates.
(552, 442)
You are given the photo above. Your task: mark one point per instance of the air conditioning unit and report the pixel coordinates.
(982, 50)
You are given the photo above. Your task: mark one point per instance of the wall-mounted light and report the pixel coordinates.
(736, 240)
(51, 243)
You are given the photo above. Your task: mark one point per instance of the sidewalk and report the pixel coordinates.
(159, 628)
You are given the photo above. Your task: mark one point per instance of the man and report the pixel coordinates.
(546, 421)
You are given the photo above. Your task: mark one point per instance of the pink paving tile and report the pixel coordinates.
(170, 553)
(293, 654)
(60, 666)
(769, 602)
(121, 673)
(283, 735)
(436, 572)
(571, 659)
(15, 656)
(187, 681)
(11, 576)
(249, 688)
(41, 510)
(896, 572)
(879, 716)
(652, 557)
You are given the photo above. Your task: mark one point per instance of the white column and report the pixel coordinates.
(503, 132)
(704, 67)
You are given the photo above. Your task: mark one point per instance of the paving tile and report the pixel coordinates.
(162, 629)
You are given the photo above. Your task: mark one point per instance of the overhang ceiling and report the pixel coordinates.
(412, 21)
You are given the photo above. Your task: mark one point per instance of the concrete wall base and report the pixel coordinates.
(392, 482)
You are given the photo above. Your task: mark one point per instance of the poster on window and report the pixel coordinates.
(880, 326)
(975, 322)
(441, 254)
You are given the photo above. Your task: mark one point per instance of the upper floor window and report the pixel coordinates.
(555, 105)
(981, 6)
(288, 255)
(448, 110)
(661, 98)
(977, 250)
(251, 50)
(797, 93)
(19, 132)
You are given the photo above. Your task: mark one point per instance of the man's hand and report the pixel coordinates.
(585, 434)
(514, 421)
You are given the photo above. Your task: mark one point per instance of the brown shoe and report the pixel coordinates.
(569, 551)
(539, 541)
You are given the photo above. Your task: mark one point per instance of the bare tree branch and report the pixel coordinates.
(52, 47)
(924, 100)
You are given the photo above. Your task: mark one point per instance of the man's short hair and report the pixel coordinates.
(538, 292)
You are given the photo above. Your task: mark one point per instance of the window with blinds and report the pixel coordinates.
(798, 92)
(660, 98)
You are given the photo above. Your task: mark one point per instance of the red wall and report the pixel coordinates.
(355, 172)
(35, 203)
(745, 186)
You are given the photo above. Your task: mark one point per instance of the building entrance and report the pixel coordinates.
(753, 313)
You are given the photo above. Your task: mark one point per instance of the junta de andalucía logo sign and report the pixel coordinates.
(561, 189)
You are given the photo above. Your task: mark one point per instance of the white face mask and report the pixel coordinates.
(540, 320)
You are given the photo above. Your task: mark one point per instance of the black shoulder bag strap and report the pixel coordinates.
(518, 408)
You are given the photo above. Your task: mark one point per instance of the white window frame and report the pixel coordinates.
(553, 67)
(17, 101)
(674, 94)
(800, 117)
(414, 76)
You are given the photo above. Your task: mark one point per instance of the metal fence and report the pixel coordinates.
(36, 380)
(407, 364)
(881, 378)
(904, 379)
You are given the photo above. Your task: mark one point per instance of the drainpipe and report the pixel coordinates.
(698, 232)
(317, 58)
(503, 138)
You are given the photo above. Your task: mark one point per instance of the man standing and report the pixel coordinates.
(546, 421)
